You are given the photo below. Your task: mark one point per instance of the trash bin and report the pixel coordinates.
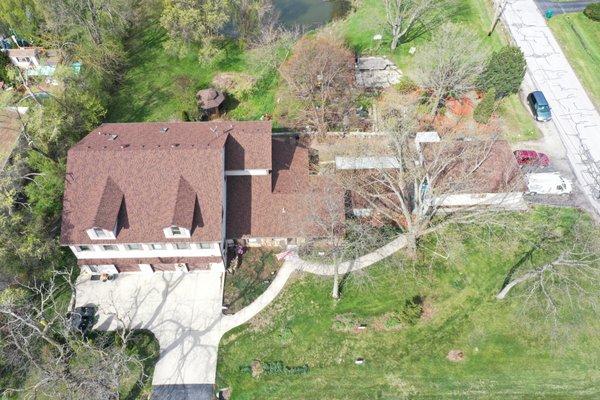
(549, 13)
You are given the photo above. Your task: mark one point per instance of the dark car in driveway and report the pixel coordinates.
(532, 158)
(539, 106)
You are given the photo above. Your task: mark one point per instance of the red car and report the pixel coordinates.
(531, 157)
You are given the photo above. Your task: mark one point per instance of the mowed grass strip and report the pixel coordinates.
(579, 38)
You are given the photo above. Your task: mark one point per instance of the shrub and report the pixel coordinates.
(4, 62)
(504, 71)
(484, 110)
(406, 85)
(592, 11)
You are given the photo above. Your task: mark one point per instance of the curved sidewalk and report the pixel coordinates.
(354, 265)
(295, 263)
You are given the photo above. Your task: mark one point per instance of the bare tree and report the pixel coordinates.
(320, 76)
(96, 18)
(37, 339)
(450, 63)
(333, 236)
(571, 279)
(408, 19)
(421, 188)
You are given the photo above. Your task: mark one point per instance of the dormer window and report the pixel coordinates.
(175, 231)
(99, 233)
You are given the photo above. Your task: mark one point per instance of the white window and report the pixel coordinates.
(182, 246)
(84, 248)
(175, 231)
(157, 246)
(99, 233)
(133, 246)
(110, 247)
(204, 245)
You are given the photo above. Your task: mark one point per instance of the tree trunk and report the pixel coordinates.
(335, 293)
(394, 43)
(436, 103)
(513, 283)
(395, 37)
(411, 245)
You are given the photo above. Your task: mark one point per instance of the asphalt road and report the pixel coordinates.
(563, 7)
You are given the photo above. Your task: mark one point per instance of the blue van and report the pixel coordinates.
(539, 106)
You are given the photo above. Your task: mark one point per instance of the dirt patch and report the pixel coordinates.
(256, 368)
(460, 107)
(455, 355)
(236, 83)
(428, 310)
(248, 276)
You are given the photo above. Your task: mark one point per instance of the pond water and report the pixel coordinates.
(310, 13)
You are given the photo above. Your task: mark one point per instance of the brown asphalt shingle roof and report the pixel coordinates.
(284, 205)
(162, 174)
(109, 206)
(185, 204)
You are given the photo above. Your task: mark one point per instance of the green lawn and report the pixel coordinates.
(158, 86)
(579, 38)
(510, 352)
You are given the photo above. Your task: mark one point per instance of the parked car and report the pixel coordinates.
(539, 106)
(548, 183)
(82, 318)
(531, 157)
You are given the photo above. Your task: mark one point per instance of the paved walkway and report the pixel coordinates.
(574, 115)
(563, 7)
(295, 263)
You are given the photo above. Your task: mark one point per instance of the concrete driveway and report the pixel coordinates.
(183, 310)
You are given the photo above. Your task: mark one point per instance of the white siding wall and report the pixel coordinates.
(146, 252)
(513, 200)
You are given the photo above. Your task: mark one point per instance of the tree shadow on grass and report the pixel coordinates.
(144, 345)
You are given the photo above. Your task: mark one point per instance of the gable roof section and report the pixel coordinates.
(185, 204)
(247, 144)
(149, 178)
(107, 211)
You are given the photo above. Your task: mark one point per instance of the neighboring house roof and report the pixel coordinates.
(374, 162)
(477, 166)
(23, 52)
(10, 130)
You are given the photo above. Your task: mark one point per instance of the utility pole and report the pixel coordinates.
(497, 16)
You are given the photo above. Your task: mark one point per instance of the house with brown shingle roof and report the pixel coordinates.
(171, 196)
